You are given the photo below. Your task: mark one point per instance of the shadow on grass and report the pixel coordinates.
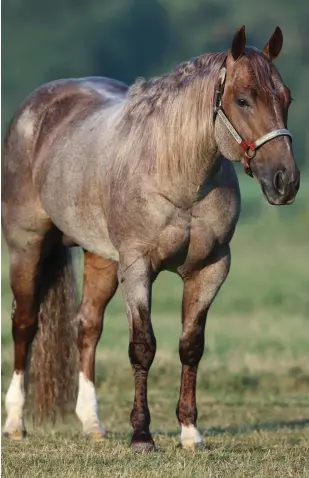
(266, 426)
(238, 430)
(232, 430)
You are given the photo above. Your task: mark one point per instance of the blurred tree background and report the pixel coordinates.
(125, 39)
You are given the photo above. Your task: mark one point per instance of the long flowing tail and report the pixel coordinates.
(51, 378)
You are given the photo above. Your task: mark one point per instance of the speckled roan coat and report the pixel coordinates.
(138, 179)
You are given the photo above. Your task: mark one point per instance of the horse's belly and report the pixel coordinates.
(91, 238)
(85, 226)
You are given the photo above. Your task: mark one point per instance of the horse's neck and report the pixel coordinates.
(173, 140)
(196, 164)
(183, 189)
(186, 148)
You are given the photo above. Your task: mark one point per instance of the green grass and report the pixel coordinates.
(252, 399)
(253, 381)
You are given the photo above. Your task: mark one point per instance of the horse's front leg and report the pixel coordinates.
(135, 277)
(200, 288)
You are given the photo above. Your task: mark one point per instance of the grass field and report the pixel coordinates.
(253, 382)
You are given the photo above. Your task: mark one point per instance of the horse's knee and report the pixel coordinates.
(142, 348)
(191, 345)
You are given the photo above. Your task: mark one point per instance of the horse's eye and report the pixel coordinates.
(242, 103)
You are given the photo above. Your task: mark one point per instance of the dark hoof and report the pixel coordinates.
(144, 447)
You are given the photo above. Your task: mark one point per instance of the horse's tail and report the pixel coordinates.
(51, 377)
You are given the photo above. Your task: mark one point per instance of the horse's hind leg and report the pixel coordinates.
(100, 284)
(200, 288)
(24, 270)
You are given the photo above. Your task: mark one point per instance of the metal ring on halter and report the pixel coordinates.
(251, 155)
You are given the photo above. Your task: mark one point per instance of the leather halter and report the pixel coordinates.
(250, 147)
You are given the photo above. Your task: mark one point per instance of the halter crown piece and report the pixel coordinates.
(249, 147)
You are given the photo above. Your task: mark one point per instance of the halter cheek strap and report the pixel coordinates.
(249, 147)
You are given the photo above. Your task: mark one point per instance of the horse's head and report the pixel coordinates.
(251, 110)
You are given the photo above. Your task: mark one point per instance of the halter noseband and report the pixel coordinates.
(249, 147)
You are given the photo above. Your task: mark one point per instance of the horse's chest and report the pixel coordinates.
(188, 243)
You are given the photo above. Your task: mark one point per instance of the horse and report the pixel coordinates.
(142, 180)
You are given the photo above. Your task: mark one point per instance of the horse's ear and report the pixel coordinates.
(239, 43)
(274, 46)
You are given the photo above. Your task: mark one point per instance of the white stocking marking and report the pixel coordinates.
(14, 404)
(190, 436)
(86, 407)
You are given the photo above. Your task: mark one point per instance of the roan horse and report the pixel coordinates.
(141, 179)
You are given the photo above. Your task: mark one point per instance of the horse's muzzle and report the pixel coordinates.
(282, 188)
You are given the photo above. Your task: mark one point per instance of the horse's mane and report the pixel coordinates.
(156, 91)
(168, 120)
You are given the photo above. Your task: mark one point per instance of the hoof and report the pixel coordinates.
(98, 436)
(191, 438)
(193, 446)
(140, 447)
(17, 435)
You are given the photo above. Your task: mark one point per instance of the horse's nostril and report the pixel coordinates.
(279, 182)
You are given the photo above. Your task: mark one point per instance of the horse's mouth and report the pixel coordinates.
(276, 200)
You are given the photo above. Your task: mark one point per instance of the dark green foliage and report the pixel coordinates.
(124, 39)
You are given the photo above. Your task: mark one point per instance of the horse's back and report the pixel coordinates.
(49, 114)
(54, 103)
